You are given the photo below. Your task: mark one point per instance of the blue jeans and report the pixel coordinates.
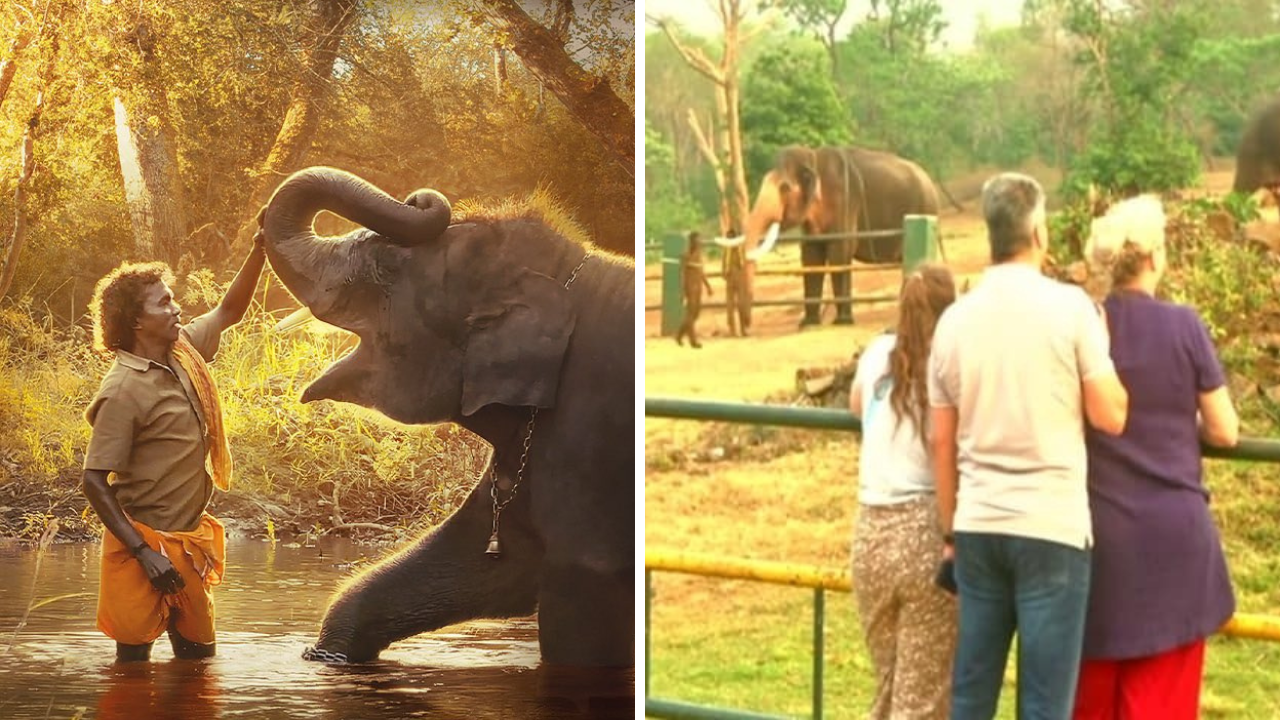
(1041, 590)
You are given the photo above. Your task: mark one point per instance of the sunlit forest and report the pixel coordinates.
(157, 130)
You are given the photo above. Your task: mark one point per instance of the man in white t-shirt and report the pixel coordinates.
(1017, 366)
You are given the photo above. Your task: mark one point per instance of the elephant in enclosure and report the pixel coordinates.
(1258, 157)
(831, 190)
(502, 324)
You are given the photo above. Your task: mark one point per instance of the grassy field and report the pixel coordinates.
(788, 495)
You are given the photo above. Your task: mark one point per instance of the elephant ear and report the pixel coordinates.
(516, 345)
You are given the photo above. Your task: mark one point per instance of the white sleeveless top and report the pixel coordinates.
(893, 466)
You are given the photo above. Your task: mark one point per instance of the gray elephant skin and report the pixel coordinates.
(1258, 157)
(830, 190)
(472, 322)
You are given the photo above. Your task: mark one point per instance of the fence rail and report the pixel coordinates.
(920, 243)
(822, 580)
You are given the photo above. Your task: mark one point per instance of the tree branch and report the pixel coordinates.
(588, 98)
(696, 59)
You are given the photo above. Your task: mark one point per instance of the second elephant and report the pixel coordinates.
(832, 190)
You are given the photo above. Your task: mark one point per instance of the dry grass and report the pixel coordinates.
(788, 495)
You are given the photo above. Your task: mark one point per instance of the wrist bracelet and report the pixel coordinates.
(138, 548)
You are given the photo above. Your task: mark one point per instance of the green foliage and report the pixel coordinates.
(667, 207)
(788, 99)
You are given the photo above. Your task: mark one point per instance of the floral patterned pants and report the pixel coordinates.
(909, 623)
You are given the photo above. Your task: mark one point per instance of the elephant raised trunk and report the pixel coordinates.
(315, 268)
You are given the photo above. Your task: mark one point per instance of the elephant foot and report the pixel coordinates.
(845, 320)
(695, 345)
(315, 654)
(809, 322)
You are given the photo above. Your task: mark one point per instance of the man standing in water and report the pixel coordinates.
(157, 450)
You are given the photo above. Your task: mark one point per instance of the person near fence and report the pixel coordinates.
(157, 450)
(739, 279)
(1159, 583)
(693, 279)
(1017, 367)
(908, 622)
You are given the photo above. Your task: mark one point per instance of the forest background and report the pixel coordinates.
(1137, 95)
(156, 130)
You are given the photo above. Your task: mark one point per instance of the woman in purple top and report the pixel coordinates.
(1159, 582)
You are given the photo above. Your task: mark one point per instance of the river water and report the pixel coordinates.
(269, 607)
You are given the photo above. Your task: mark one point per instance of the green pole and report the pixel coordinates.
(648, 595)
(673, 247)
(919, 241)
(819, 621)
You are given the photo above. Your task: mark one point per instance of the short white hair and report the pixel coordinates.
(1138, 221)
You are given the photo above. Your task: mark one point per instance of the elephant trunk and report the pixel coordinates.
(768, 209)
(313, 268)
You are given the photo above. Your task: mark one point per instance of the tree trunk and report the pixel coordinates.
(9, 66)
(306, 106)
(588, 98)
(152, 187)
(12, 246)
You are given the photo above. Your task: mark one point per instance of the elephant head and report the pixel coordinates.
(787, 197)
(1258, 156)
(451, 318)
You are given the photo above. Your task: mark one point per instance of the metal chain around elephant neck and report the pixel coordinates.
(495, 547)
(574, 275)
(315, 653)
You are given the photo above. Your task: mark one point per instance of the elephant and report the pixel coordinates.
(500, 323)
(1258, 157)
(831, 190)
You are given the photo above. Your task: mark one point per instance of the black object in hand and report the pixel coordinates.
(946, 577)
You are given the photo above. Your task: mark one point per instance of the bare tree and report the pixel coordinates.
(724, 75)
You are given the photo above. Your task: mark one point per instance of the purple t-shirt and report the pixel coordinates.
(1159, 577)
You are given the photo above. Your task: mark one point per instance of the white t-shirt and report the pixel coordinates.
(1010, 356)
(893, 466)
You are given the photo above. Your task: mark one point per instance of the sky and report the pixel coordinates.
(961, 16)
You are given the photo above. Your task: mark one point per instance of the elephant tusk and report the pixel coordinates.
(729, 242)
(770, 238)
(294, 320)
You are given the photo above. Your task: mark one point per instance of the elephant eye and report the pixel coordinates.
(784, 187)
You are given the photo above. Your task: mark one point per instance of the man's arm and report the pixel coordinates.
(946, 472)
(236, 302)
(1106, 401)
(102, 498)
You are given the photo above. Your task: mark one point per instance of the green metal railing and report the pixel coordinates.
(1262, 627)
(920, 243)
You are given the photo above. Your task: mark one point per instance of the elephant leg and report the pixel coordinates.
(586, 614)
(444, 578)
(745, 294)
(812, 254)
(840, 254)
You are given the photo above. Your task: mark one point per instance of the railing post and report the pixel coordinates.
(919, 241)
(648, 591)
(819, 622)
(673, 247)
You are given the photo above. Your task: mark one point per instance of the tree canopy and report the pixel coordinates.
(164, 125)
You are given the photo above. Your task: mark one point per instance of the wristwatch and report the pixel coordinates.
(138, 548)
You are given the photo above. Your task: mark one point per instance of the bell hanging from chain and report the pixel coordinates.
(494, 549)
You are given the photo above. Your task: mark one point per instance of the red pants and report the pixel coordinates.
(1157, 687)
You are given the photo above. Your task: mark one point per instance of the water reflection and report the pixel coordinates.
(269, 608)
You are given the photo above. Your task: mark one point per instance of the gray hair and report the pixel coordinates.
(1013, 206)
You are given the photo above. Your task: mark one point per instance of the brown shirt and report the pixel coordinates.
(149, 430)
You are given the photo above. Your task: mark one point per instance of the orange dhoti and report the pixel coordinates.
(132, 611)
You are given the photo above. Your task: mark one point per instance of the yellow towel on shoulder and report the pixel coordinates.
(218, 460)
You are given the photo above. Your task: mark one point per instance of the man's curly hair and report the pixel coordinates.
(117, 303)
